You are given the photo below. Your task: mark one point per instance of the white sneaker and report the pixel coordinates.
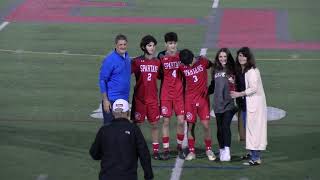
(210, 155)
(221, 154)
(226, 156)
(190, 156)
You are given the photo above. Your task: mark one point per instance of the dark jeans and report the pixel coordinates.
(244, 118)
(107, 117)
(255, 155)
(223, 128)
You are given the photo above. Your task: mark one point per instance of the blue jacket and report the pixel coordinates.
(115, 75)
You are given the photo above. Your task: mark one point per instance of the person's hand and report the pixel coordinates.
(106, 105)
(235, 94)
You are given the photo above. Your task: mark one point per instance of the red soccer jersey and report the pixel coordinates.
(171, 84)
(146, 72)
(196, 77)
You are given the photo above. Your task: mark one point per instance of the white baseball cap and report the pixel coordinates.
(120, 104)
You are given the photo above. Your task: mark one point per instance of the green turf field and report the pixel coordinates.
(49, 88)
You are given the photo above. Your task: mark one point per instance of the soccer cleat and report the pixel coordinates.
(253, 163)
(210, 155)
(182, 154)
(165, 155)
(156, 156)
(190, 156)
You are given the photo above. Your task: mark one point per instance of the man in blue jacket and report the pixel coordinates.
(114, 78)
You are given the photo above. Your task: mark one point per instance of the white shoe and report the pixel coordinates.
(227, 156)
(210, 155)
(221, 154)
(190, 156)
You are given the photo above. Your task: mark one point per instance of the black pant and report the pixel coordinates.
(223, 126)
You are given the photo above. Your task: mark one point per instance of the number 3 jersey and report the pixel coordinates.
(196, 78)
(146, 72)
(171, 84)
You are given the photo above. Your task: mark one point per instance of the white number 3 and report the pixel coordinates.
(195, 78)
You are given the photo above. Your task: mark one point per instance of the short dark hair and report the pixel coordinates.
(120, 37)
(186, 56)
(146, 40)
(251, 62)
(171, 36)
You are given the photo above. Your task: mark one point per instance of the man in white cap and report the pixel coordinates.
(119, 145)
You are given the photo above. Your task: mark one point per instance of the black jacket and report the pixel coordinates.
(118, 146)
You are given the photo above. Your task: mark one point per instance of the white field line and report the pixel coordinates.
(178, 166)
(215, 4)
(288, 59)
(97, 55)
(3, 25)
(42, 177)
(49, 53)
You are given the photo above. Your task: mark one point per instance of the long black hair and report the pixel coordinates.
(251, 62)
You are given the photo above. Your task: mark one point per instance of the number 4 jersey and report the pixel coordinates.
(171, 84)
(146, 72)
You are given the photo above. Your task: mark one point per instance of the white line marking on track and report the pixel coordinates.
(97, 55)
(3, 25)
(215, 4)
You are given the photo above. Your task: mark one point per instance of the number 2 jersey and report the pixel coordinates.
(171, 84)
(146, 72)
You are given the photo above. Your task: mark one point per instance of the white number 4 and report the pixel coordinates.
(174, 73)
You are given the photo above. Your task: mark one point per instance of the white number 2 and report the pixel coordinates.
(195, 78)
(174, 73)
(149, 77)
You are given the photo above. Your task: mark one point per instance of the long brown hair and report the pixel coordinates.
(230, 66)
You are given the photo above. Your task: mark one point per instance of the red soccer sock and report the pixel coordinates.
(180, 138)
(165, 142)
(191, 143)
(207, 142)
(155, 147)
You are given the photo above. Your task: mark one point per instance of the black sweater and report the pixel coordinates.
(118, 146)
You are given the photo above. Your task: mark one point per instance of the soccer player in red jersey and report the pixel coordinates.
(145, 98)
(194, 70)
(171, 94)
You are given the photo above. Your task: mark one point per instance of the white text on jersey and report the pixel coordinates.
(190, 72)
(148, 68)
(171, 65)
